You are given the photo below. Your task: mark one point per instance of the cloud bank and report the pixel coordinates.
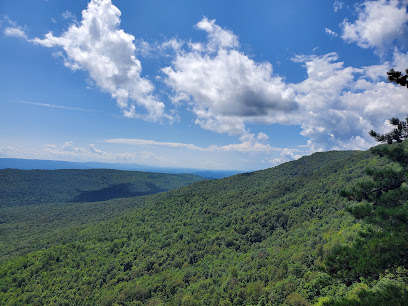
(335, 105)
(227, 91)
(339, 105)
(249, 143)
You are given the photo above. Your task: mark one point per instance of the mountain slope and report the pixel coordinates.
(26, 187)
(250, 239)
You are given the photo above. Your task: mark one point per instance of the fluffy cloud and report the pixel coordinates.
(323, 119)
(15, 32)
(379, 23)
(285, 156)
(376, 101)
(249, 143)
(98, 46)
(376, 72)
(339, 105)
(335, 105)
(218, 38)
(400, 61)
(224, 87)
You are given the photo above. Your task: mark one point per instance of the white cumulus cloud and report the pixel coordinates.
(98, 46)
(338, 105)
(218, 38)
(379, 24)
(223, 86)
(335, 105)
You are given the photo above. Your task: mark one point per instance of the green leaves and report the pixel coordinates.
(397, 77)
(398, 134)
(382, 202)
(254, 239)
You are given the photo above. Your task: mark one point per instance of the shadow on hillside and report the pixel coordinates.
(124, 190)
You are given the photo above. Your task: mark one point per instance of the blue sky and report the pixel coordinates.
(200, 84)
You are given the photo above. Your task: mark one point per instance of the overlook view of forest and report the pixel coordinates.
(204, 152)
(278, 236)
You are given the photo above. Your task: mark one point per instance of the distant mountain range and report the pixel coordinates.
(30, 164)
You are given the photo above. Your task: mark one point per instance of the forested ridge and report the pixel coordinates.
(272, 237)
(26, 187)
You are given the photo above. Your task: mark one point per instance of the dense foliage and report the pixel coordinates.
(398, 77)
(261, 238)
(382, 202)
(26, 187)
(239, 239)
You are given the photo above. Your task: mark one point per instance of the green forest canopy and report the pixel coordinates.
(26, 187)
(261, 238)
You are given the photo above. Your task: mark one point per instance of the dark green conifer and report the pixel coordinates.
(398, 78)
(382, 202)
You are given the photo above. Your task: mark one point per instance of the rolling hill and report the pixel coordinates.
(26, 187)
(260, 238)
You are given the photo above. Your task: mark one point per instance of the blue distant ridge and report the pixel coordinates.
(30, 164)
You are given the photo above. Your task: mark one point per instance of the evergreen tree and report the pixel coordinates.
(397, 77)
(381, 252)
(398, 134)
(382, 202)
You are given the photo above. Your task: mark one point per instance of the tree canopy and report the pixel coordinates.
(381, 202)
